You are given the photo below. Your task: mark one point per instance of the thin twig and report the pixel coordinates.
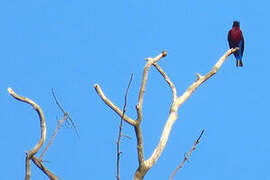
(53, 136)
(120, 130)
(65, 113)
(187, 156)
(126, 136)
(33, 151)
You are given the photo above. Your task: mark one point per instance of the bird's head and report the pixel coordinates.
(236, 23)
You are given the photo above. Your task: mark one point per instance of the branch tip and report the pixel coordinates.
(164, 53)
(9, 90)
(187, 155)
(236, 49)
(198, 76)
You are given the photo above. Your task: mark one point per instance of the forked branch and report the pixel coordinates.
(145, 165)
(149, 63)
(176, 104)
(65, 118)
(33, 151)
(65, 113)
(40, 165)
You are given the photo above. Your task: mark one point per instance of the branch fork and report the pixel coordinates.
(145, 165)
(30, 155)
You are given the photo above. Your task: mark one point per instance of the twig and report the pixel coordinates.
(187, 156)
(65, 113)
(53, 136)
(126, 136)
(33, 151)
(120, 130)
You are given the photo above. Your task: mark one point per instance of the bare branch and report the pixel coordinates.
(146, 165)
(120, 130)
(53, 136)
(150, 62)
(33, 151)
(202, 79)
(39, 164)
(112, 106)
(187, 156)
(65, 113)
(167, 79)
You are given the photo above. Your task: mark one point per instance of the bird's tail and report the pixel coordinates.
(239, 63)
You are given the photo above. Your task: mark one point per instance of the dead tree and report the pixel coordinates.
(177, 101)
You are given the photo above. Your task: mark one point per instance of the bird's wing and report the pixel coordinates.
(242, 48)
(229, 39)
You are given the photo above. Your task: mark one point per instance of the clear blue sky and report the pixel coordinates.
(71, 45)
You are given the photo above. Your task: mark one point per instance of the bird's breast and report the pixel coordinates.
(236, 36)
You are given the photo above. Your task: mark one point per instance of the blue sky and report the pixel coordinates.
(71, 45)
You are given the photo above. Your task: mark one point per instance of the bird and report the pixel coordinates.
(236, 39)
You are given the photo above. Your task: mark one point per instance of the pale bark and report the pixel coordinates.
(145, 165)
(30, 154)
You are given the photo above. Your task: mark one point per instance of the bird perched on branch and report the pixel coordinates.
(236, 39)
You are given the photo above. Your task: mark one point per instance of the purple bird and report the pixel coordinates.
(236, 39)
